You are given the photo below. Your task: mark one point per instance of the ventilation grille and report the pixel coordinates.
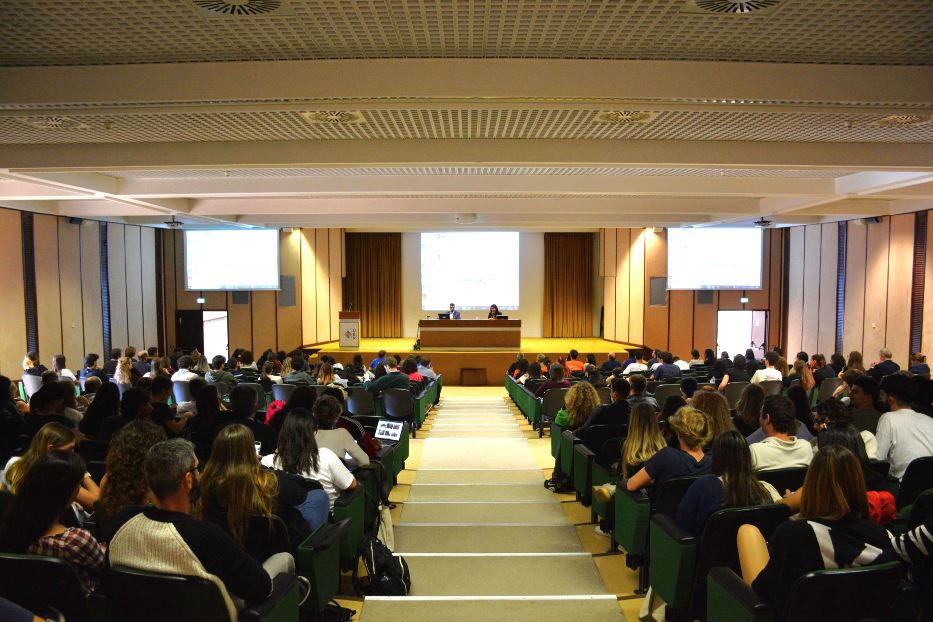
(237, 8)
(733, 7)
(625, 117)
(53, 123)
(333, 117)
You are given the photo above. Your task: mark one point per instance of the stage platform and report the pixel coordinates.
(474, 365)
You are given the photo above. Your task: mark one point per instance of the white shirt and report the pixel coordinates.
(66, 373)
(186, 407)
(774, 453)
(331, 472)
(634, 368)
(684, 365)
(768, 373)
(183, 374)
(903, 435)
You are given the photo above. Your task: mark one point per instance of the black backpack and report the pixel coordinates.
(387, 574)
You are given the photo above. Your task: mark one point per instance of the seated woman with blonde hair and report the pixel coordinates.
(692, 429)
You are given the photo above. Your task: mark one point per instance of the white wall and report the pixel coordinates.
(531, 288)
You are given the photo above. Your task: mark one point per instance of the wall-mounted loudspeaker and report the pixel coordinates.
(75, 221)
(871, 220)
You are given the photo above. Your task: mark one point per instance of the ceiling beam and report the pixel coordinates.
(467, 79)
(472, 152)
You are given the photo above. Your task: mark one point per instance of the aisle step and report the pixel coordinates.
(483, 513)
(516, 609)
(480, 476)
(475, 433)
(479, 493)
(503, 575)
(487, 539)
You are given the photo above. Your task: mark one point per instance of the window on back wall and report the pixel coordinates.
(657, 296)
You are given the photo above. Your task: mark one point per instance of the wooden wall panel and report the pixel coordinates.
(12, 303)
(72, 319)
(876, 286)
(322, 283)
(289, 318)
(829, 261)
(705, 319)
(609, 308)
(926, 344)
(853, 326)
(335, 295)
(775, 286)
(622, 283)
(48, 292)
(795, 291)
(147, 252)
(656, 328)
(134, 287)
(90, 289)
(609, 257)
(308, 288)
(729, 300)
(240, 325)
(263, 317)
(811, 288)
(681, 323)
(900, 279)
(169, 288)
(637, 287)
(116, 269)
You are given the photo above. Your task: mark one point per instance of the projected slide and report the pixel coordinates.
(241, 259)
(714, 258)
(473, 270)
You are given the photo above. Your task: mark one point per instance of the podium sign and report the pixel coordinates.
(349, 328)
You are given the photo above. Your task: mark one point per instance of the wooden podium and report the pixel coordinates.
(349, 329)
(473, 334)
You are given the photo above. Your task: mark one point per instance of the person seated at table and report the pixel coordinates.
(454, 314)
(493, 312)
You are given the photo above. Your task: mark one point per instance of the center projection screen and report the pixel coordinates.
(472, 270)
(714, 258)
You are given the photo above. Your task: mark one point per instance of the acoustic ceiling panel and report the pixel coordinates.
(397, 123)
(64, 32)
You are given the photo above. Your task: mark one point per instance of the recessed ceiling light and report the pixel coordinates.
(626, 117)
(333, 117)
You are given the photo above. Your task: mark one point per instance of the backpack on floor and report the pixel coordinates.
(386, 574)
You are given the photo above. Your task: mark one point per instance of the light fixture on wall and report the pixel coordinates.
(744, 300)
(200, 300)
(657, 229)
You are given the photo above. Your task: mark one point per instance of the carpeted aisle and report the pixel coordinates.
(483, 538)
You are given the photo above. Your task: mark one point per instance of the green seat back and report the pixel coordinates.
(632, 513)
(672, 566)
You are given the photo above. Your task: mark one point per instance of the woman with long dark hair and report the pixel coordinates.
(493, 312)
(733, 484)
(748, 409)
(709, 357)
(32, 524)
(106, 404)
(299, 454)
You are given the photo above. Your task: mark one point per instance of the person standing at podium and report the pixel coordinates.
(454, 314)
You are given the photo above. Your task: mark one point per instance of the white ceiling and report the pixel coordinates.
(807, 111)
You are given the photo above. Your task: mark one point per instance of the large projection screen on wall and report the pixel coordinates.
(470, 269)
(714, 258)
(255, 263)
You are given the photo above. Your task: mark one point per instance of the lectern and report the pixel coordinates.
(349, 325)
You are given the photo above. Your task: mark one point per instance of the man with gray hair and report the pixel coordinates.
(166, 539)
(884, 367)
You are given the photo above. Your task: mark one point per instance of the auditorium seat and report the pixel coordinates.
(551, 402)
(359, 401)
(283, 391)
(180, 391)
(790, 478)
(733, 392)
(664, 391)
(44, 584)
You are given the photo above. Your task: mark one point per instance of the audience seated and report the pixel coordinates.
(831, 411)
(393, 378)
(693, 433)
(780, 449)
(243, 411)
(380, 358)
(732, 484)
(33, 522)
(162, 414)
(638, 394)
(299, 454)
(246, 370)
(61, 368)
(611, 364)
(209, 412)
(735, 373)
(298, 375)
(801, 405)
(217, 373)
(124, 482)
(667, 370)
(327, 412)
(614, 413)
(715, 407)
(235, 487)
(47, 405)
(748, 409)
(821, 371)
(268, 376)
(91, 368)
(110, 367)
(184, 369)
(918, 364)
(133, 405)
(106, 404)
(32, 366)
(638, 366)
(688, 387)
(301, 397)
(864, 402)
(770, 372)
(579, 403)
(150, 540)
(833, 530)
(555, 380)
(572, 364)
(903, 434)
(884, 367)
